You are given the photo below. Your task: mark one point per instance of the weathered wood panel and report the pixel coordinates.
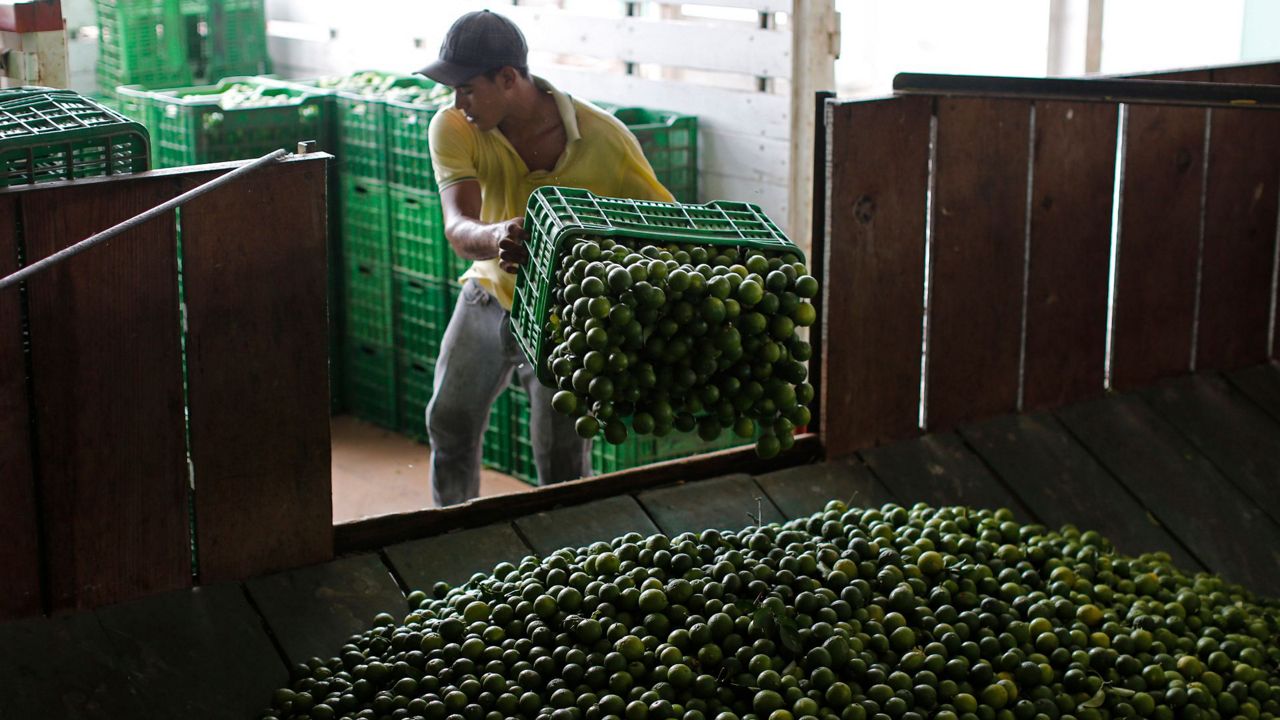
(1159, 242)
(1072, 188)
(938, 469)
(978, 251)
(580, 525)
(873, 303)
(255, 278)
(806, 489)
(196, 653)
(19, 527)
(312, 611)
(454, 557)
(1261, 384)
(1062, 483)
(64, 669)
(1217, 523)
(1239, 233)
(1240, 439)
(727, 503)
(107, 381)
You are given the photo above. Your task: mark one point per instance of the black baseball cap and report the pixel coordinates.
(478, 42)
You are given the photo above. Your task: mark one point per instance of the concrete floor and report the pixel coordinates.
(378, 472)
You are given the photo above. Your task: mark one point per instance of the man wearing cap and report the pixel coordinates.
(507, 134)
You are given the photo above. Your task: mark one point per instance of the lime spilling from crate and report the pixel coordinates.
(651, 338)
(852, 613)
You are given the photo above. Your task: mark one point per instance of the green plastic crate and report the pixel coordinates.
(639, 450)
(236, 43)
(522, 466)
(417, 234)
(496, 453)
(369, 383)
(421, 313)
(367, 304)
(409, 159)
(558, 216)
(414, 382)
(48, 135)
(670, 143)
(212, 123)
(139, 42)
(366, 236)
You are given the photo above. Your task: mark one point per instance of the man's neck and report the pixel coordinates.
(528, 115)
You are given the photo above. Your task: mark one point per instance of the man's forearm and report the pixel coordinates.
(472, 240)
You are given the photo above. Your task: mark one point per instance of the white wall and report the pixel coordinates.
(744, 132)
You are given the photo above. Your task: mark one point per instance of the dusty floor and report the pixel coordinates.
(378, 472)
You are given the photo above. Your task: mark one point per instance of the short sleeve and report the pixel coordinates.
(453, 148)
(638, 180)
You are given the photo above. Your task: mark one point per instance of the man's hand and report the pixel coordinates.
(512, 252)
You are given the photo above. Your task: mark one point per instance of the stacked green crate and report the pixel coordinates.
(48, 135)
(521, 466)
(139, 43)
(234, 119)
(236, 41)
(497, 438)
(670, 143)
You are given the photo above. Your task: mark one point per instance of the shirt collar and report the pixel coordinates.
(564, 103)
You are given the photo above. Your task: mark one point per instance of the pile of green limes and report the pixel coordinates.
(648, 339)
(858, 614)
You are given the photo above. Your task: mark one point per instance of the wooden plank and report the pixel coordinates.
(1238, 437)
(107, 382)
(877, 180)
(718, 109)
(938, 469)
(1063, 484)
(765, 160)
(64, 668)
(255, 279)
(312, 611)
(602, 520)
(1217, 523)
(771, 198)
(196, 653)
(377, 533)
(674, 43)
(979, 242)
(720, 504)
(1261, 384)
(454, 557)
(806, 489)
(1239, 239)
(1159, 243)
(1072, 187)
(19, 523)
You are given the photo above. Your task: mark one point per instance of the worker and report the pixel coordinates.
(507, 133)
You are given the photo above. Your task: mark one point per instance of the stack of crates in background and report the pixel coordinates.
(140, 42)
(670, 144)
(174, 43)
(48, 135)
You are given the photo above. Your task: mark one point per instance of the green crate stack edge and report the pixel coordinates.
(560, 215)
(172, 43)
(51, 135)
(140, 43)
(395, 292)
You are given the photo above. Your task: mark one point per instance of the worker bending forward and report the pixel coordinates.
(507, 134)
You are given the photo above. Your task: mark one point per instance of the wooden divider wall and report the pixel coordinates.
(95, 488)
(1012, 200)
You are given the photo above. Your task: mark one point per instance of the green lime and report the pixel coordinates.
(587, 427)
(565, 402)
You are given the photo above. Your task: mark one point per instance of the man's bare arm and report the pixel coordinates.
(476, 240)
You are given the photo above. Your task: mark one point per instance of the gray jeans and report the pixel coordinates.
(476, 358)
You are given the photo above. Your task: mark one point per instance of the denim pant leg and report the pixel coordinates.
(472, 369)
(558, 452)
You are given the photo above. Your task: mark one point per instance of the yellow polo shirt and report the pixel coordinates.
(600, 155)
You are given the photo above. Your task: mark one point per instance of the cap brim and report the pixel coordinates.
(451, 74)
